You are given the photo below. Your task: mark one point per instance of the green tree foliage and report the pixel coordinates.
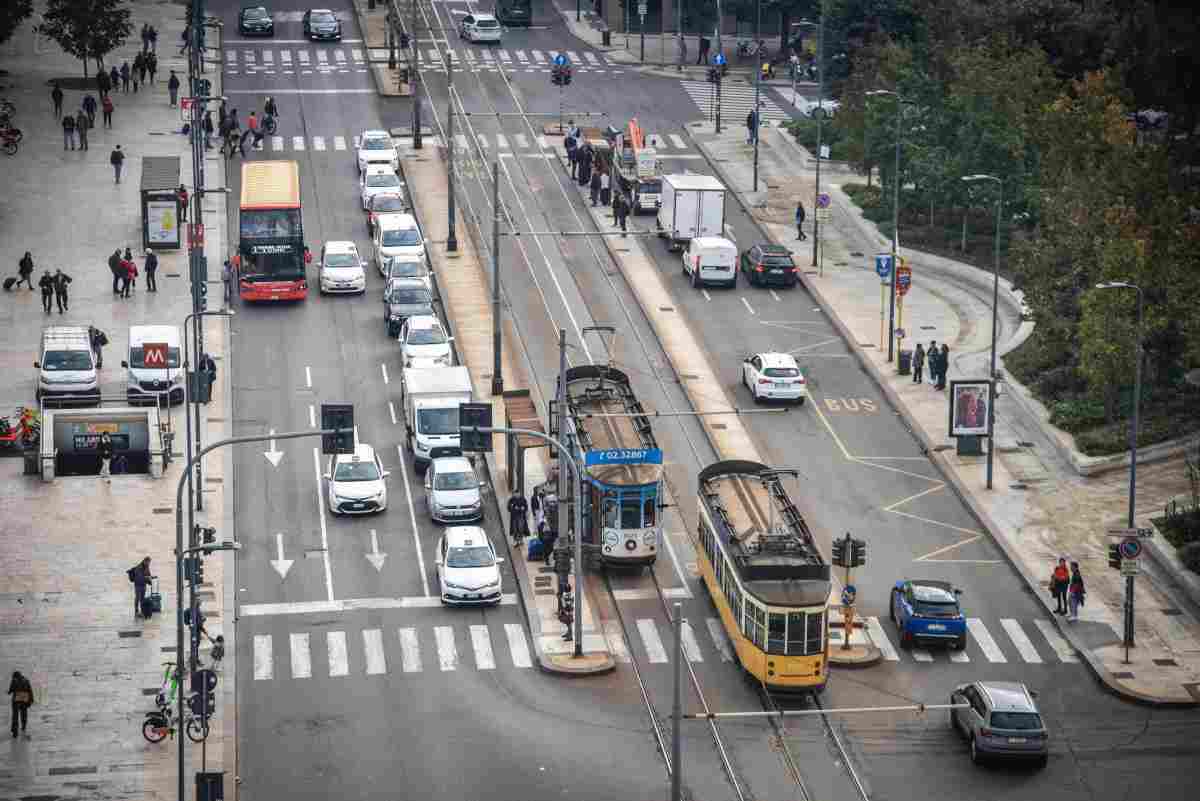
(12, 14)
(87, 28)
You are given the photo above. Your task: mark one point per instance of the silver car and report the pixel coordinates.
(1000, 719)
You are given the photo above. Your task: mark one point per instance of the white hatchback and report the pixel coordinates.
(377, 147)
(356, 483)
(468, 568)
(376, 180)
(424, 343)
(480, 28)
(341, 269)
(774, 376)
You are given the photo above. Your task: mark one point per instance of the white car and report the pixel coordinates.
(377, 147)
(385, 203)
(480, 28)
(356, 483)
(452, 490)
(377, 179)
(341, 269)
(809, 108)
(406, 267)
(424, 343)
(468, 568)
(398, 235)
(774, 376)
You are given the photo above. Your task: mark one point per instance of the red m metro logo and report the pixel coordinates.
(154, 354)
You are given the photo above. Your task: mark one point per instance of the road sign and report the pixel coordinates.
(848, 595)
(903, 279)
(1131, 548)
(1129, 567)
(561, 59)
(719, 59)
(154, 355)
(196, 234)
(883, 265)
(1144, 533)
(823, 201)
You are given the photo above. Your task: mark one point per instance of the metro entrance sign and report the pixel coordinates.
(154, 355)
(883, 265)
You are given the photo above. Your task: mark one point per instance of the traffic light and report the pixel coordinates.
(341, 417)
(203, 700)
(858, 553)
(566, 76)
(193, 569)
(187, 618)
(475, 415)
(206, 535)
(1114, 556)
(560, 74)
(839, 552)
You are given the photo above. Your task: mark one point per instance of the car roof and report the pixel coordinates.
(777, 360)
(453, 464)
(319, 11)
(376, 169)
(362, 453)
(459, 535)
(423, 321)
(340, 246)
(1008, 696)
(254, 8)
(774, 249)
(479, 16)
(937, 592)
(139, 334)
(375, 133)
(406, 283)
(396, 219)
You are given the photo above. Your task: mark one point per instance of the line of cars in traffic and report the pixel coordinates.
(318, 24)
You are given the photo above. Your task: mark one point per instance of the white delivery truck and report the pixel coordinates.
(692, 205)
(711, 260)
(431, 399)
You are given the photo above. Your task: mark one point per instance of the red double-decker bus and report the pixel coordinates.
(271, 233)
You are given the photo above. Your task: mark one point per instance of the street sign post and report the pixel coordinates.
(823, 201)
(1144, 533)
(1129, 548)
(561, 59)
(883, 265)
(1129, 568)
(642, 10)
(719, 59)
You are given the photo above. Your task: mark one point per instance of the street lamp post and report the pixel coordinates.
(194, 490)
(820, 26)
(451, 237)
(757, 87)
(895, 220)
(995, 318)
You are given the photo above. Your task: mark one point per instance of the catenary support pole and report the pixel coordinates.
(415, 66)
(895, 237)
(1133, 449)
(497, 375)
(820, 120)
(995, 327)
(757, 87)
(451, 238)
(677, 704)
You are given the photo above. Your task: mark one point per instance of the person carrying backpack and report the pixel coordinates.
(140, 577)
(68, 126)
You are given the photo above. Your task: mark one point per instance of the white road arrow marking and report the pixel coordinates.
(274, 456)
(281, 565)
(375, 557)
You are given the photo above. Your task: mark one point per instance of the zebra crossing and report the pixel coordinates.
(668, 145)
(513, 61)
(295, 60)
(737, 100)
(1047, 646)
(325, 60)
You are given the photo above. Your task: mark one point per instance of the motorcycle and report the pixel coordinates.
(8, 130)
(22, 430)
(747, 49)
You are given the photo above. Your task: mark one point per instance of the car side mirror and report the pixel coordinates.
(482, 484)
(326, 476)
(1034, 694)
(438, 561)
(124, 364)
(38, 365)
(449, 339)
(957, 591)
(499, 560)
(387, 473)
(428, 485)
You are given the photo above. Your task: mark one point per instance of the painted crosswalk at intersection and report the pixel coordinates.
(668, 145)
(736, 101)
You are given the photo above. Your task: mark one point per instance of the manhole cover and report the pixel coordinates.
(1166, 662)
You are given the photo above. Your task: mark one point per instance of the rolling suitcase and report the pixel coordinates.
(152, 603)
(535, 550)
(10, 282)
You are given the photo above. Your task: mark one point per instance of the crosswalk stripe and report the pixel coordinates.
(276, 143)
(720, 639)
(433, 55)
(447, 653)
(357, 55)
(318, 143)
(517, 646)
(303, 56)
(650, 640)
(591, 57)
(339, 56)
(553, 54)
(573, 56)
(880, 638)
(984, 639)
(521, 56)
(538, 57)
(322, 58)
(487, 56)
(921, 655)
(297, 143)
(522, 141)
(264, 666)
(481, 644)
(501, 141)
(482, 140)
(285, 56)
(355, 141)
(339, 655)
(301, 656)
(691, 648)
(231, 56)
(461, 141)
(410, 651)
(373, 647)
(1062, 649)
(503, 54)
(470, 56)
(248, 56)
(268, 58)
(1021, 640)
(542, 143)
(677, 140)
(959, 656)
(339, 143)
(616, 641)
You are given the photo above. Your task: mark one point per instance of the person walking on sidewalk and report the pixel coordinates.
(46, 282)
(518, 523)
(139, 574)
(181, 194)
(1075, 592)
(98, 340)
(208, 369)
(594, 188)
(61, 280)
(82, 123)
(22, 698)
(151, 267)
(106, 105)
(145, 36)
(572, 148)
(102, 82)
(173, 88)
(208, 130)
(152, 62)
(801, 214)
(139, 66)
(153, 43)
(1060, 581)
(114, 78)
(89, 105)
(125, 73)
(56, 95)
(621, 211)
(943, 366)
(918, 363)
(25, 270)
(117, 160)
(114, 267)
(605, 189)
(68, 126)
(123, 269)
(751, 126)
(931, 355)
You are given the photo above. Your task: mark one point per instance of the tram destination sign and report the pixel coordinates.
(624, 456)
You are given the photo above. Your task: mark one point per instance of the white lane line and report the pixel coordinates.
(461, 141)
(410, 651)
(538, 58)
(357, 55)
(264, 663)
(481, 644)
(517, 647)
(880, 638)
(392, 412)
(921, 655)
(268, 57)
(616, 641)
(655, 651)
(746, 303)
(542, 143)
(591, 57)
(487, 56)
(522, 141)
(308, 375)
(312, 416)
(297, 143)
(716, 632)
(775, 295)
(339, 143)
(573, 56)
(324, 526)
(286, 57)
(502, 141)
(231, 56)
(683, 588)
(707, 296)
(383, 367)
(303, 55)
(447, 655)
(984, 639)
(373, 647)
(322, 58)
(521, 56)
(1062, 648)
(318, 143)
(1021, 640)
(677, 141)
(339, 56)
(248, 57)
(959, 656)
(412, 516)
(339, 656)
(301, 656)
(691, 648)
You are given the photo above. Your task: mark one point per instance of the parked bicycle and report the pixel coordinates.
(161, 722)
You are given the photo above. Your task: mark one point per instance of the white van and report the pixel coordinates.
(66, 367)
(398, 235)
(148, 379)
(711, 260)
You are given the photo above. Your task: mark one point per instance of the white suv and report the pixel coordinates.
(341, 269)
(377, 147)
(480, 28)
(774, 376)
(424, 343)
(398, 235)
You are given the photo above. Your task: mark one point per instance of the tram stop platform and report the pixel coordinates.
(862, 651)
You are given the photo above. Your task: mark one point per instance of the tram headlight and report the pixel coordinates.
(649, 537)
(611, 537)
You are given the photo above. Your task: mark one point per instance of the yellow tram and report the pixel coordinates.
(765, 575)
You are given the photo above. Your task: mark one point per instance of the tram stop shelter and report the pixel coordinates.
(520, 412)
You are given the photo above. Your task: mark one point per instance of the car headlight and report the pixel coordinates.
(475, 504)
(611, 538)
(649, 538)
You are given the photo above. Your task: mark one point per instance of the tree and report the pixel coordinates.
(87, 28)
(12, 14)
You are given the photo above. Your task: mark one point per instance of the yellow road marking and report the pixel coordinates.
(970, 531)
(934, 488)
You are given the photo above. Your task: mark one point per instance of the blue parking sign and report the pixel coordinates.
(883, 264)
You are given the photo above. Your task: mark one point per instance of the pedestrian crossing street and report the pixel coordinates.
(303, 655)
(325, 60)
(668, 145)
(737, 100)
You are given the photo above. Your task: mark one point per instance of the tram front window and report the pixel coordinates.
(631, 513)
(610, 514)
(795, 636)
(775, 633)
(648, 512)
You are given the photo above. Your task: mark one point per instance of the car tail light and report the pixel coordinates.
(800, 380)
(795, 269)
(763, 381)
(758, 268)
(986, 732)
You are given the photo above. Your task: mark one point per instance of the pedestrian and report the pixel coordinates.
(61, 280)
(89, 105)
(140, 573)
(1060, 581)
(682, 52)
(548, 536)
(114, 267)
(117, 160)
(518, 523)
(181, 194)
(153, 45)
(621, 211)
(702, 54)
(139, 64)
(252, 127)
(751, 126)
(605, 189)
(136, 70)
(566, 607)
(56, 95)
(572, 148)
(918, 363)
(106, 106)
(130, 269)
(151, 267)
(594, 188)
(208, 130)
(145, 36)
(208, 368)
(126, 277)
(25, 270)
(152, 59)
(46, 282)
(228, 278)
(102, 82)
(114, 78)
(222, 113)
(82, 123)
(931, 355)
(801, 214)
(943, 366)
(1075, 592)
(68, 126)
(125, 73)
(22, 698)
(98, 339)
(585, 164)
(173, 88)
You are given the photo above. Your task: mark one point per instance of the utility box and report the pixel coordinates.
(905, 362)
(210, 785)
(161, 227)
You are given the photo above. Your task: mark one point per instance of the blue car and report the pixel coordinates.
(928, 611)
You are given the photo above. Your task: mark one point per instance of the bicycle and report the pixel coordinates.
(161, 722)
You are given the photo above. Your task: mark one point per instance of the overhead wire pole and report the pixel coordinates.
(895, 237)
(414, 66)
(197, 265)
(757, 85)
(677, 705)
(497, 376)
(451, 237)
(820, 119)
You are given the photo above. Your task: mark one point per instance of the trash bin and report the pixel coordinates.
(210, 785)
(30, 457)
(905, 362)
(606, 38)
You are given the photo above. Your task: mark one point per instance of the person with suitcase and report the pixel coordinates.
(141, 578)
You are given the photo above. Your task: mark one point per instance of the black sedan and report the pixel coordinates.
(320, 23)
(404, 298)
(255, 21)
(770, 265)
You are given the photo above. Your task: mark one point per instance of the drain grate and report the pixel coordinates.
(719, 426)
(1018, 486)
(1172, 612)
(73, 771)
(666, 308)
(125, 635)
(1165, 662)
(1123, 675)
(857, 254)
(163, 510)
(1025, 443)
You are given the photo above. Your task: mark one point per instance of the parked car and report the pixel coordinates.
(386, 203)
(321, 23)
(376, 147)
(255, 21)
(398, 235)
(1001, 719)
(774, 376)
(407, 267)
(468, 569)
(425, 343)
(404, 298)
(377, 180)
(928, 611)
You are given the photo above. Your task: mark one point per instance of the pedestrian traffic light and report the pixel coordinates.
(338, 416)
(858, 553)
(193, 568)
(475, 415)
(839, 552)
(566, 76)
(1114, 556)
(556, 75)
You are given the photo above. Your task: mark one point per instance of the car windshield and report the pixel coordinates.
(376, 143)
(438, 421)
(472, 556)
(486, 23)
(387, 203)
(650, 187)
(775, 260)
(137, 357)
(1017, 721)
(322, 17)
(455, 481)
(426, 336)
(401, 236)
(782, 372)
(340, 260)
(383, 180)
(255, 13)
(356, 471)
(408, 296)
(405, 269)
(68, 360)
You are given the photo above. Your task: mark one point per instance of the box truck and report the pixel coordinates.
(431, 399)
(692, 206)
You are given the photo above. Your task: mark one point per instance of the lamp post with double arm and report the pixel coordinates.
(900, 101)
(971, 179)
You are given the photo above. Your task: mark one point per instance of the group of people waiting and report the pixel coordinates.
(939, 363)
(591, 172)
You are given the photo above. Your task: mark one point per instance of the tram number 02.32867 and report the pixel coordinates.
(851, 405)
